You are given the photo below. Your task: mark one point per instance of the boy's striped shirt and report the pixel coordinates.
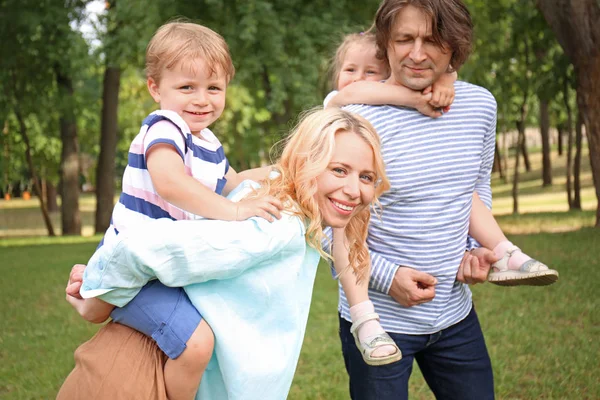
(204, 159)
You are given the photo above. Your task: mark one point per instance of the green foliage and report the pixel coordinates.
(516, 54)
(42, 42)
(281, 51)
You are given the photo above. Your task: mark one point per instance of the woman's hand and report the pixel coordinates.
(75, 281)
(92, 310)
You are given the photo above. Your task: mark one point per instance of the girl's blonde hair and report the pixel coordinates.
(184, 42)
(307, 153)
(363, 38)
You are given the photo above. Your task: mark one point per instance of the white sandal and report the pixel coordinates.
(367, 347)
(532, 272)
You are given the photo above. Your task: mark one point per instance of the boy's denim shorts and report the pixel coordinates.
(163, 313)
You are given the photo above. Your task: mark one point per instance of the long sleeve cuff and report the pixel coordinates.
(382, 273)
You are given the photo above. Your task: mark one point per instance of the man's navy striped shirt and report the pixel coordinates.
(434, 166)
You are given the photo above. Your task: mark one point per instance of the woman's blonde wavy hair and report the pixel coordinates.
(306, 154)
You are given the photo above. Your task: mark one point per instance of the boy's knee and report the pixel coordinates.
(200, 346)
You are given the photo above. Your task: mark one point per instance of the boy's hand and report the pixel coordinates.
(75, 281)
(266, 207)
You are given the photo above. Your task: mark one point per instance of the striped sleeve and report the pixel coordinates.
(382, 272)
(330, 96)
(164, 132)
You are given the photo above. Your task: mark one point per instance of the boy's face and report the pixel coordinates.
(192, 92)
(360, 64)
(415, 60)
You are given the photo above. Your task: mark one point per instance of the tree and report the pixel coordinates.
(575, 23)
(122, 23)
(281, 51)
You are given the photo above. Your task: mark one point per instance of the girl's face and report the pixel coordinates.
(347, 185)
(360, 64)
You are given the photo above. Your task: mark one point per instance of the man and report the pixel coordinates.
(435, 165)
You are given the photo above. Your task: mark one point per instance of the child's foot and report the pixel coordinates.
(517, 268)
(374, 344)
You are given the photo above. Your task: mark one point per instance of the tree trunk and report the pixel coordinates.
(51, 194)
(105, 170)
(34, 176)
(569, 171)
(515, 188)
(545, 132)
(70, 215)
(525, 152)
(559, 143)
(575, 23)
(505, 154)
(521, 141)
(498, 163)
(588, 100)
(577, 165)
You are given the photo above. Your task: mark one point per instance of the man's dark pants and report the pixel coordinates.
(454, 362)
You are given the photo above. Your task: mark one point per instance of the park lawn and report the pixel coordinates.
(543, 341)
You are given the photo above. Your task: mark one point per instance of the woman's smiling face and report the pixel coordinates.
(347, 185)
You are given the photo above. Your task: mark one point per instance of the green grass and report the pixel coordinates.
(39, 330)
(543, 341)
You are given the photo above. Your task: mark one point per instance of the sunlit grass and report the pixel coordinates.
(542, 340)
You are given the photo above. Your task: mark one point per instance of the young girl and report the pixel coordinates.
(252, 280)
(357, 77)
(177, 169)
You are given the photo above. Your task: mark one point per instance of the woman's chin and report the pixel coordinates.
(336, 222)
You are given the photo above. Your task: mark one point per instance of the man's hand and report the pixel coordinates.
(411, 287)
(475, 266)
(75, 281)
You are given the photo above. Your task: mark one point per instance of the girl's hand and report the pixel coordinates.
(266, 207)
(442, 95)
(423, 105)
(442, 91)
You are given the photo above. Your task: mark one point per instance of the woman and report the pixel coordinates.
(251, 280)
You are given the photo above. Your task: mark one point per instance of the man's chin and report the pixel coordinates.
(417, 83)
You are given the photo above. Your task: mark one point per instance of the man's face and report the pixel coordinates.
(415, 60)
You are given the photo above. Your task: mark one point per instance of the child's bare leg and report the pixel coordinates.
(357, 294)
(183, 374)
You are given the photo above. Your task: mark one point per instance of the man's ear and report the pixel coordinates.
(153, 89)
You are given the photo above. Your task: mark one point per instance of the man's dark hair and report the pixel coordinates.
(451, 26)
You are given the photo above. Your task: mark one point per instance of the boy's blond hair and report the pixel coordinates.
(363, 38)
(177, 41)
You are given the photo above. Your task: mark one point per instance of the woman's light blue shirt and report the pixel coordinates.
(251, 280)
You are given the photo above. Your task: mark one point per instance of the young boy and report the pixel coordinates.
(177, 169)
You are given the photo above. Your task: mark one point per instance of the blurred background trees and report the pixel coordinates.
(73, 93)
